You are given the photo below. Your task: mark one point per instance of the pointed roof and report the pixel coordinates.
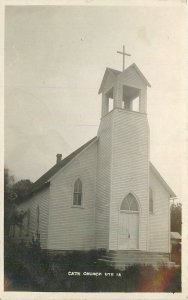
(107, 71)
(163, 182)
(116, 73)
(43, 181)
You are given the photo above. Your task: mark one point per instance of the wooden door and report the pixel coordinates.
(133, 231)
(128, 231)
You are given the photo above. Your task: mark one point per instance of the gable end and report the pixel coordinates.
(162, 181)
(43, 181)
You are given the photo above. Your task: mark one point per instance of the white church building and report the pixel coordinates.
(106, 194)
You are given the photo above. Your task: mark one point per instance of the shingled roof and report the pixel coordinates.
(44, 179)
(116, 73)
(163, 182)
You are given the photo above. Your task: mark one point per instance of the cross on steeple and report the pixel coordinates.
(123, 53)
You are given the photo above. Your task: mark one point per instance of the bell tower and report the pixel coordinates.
(125, 92)
(123, 159)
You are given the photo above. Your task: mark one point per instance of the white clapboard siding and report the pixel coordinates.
(110, 82)
(131, 78)
(73, 228)
(129, 172)
(159, 229)
(104, 181)
(40, 199)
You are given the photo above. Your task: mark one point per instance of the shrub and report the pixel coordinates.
(32, 269)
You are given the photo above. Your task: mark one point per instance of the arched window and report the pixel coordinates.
(77, 196)
(150, 201)
(129, 203)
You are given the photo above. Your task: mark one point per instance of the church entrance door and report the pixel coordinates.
(128, 231)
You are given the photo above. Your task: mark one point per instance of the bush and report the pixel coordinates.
(32, 269)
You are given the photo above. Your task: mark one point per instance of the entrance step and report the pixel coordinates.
(123, 258)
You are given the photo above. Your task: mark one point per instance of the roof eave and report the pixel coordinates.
(76, 156)
(131, 66)
(107, 71)
(166, 186)
(44, 180)
(141, 74)
(40, 188)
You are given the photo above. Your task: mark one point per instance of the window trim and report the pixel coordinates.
(77, 190)
(128, 200)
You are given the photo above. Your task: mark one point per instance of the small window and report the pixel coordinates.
(77, 196)
(150, 201)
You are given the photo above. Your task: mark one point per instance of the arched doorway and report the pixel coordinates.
(128, 232)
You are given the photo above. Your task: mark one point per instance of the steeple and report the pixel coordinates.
(124, 54)
(123, 156)
(126, 90)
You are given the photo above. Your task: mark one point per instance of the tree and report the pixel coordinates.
(22, 189)
(9, 200)
(176, 217)
(14, 193)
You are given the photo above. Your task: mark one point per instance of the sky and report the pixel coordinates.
(55, 59)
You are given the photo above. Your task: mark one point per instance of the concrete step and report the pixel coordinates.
(139, 253)
(135, 261)
(142, 260)
(121, 265)
(124, 258)
(155, 256)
